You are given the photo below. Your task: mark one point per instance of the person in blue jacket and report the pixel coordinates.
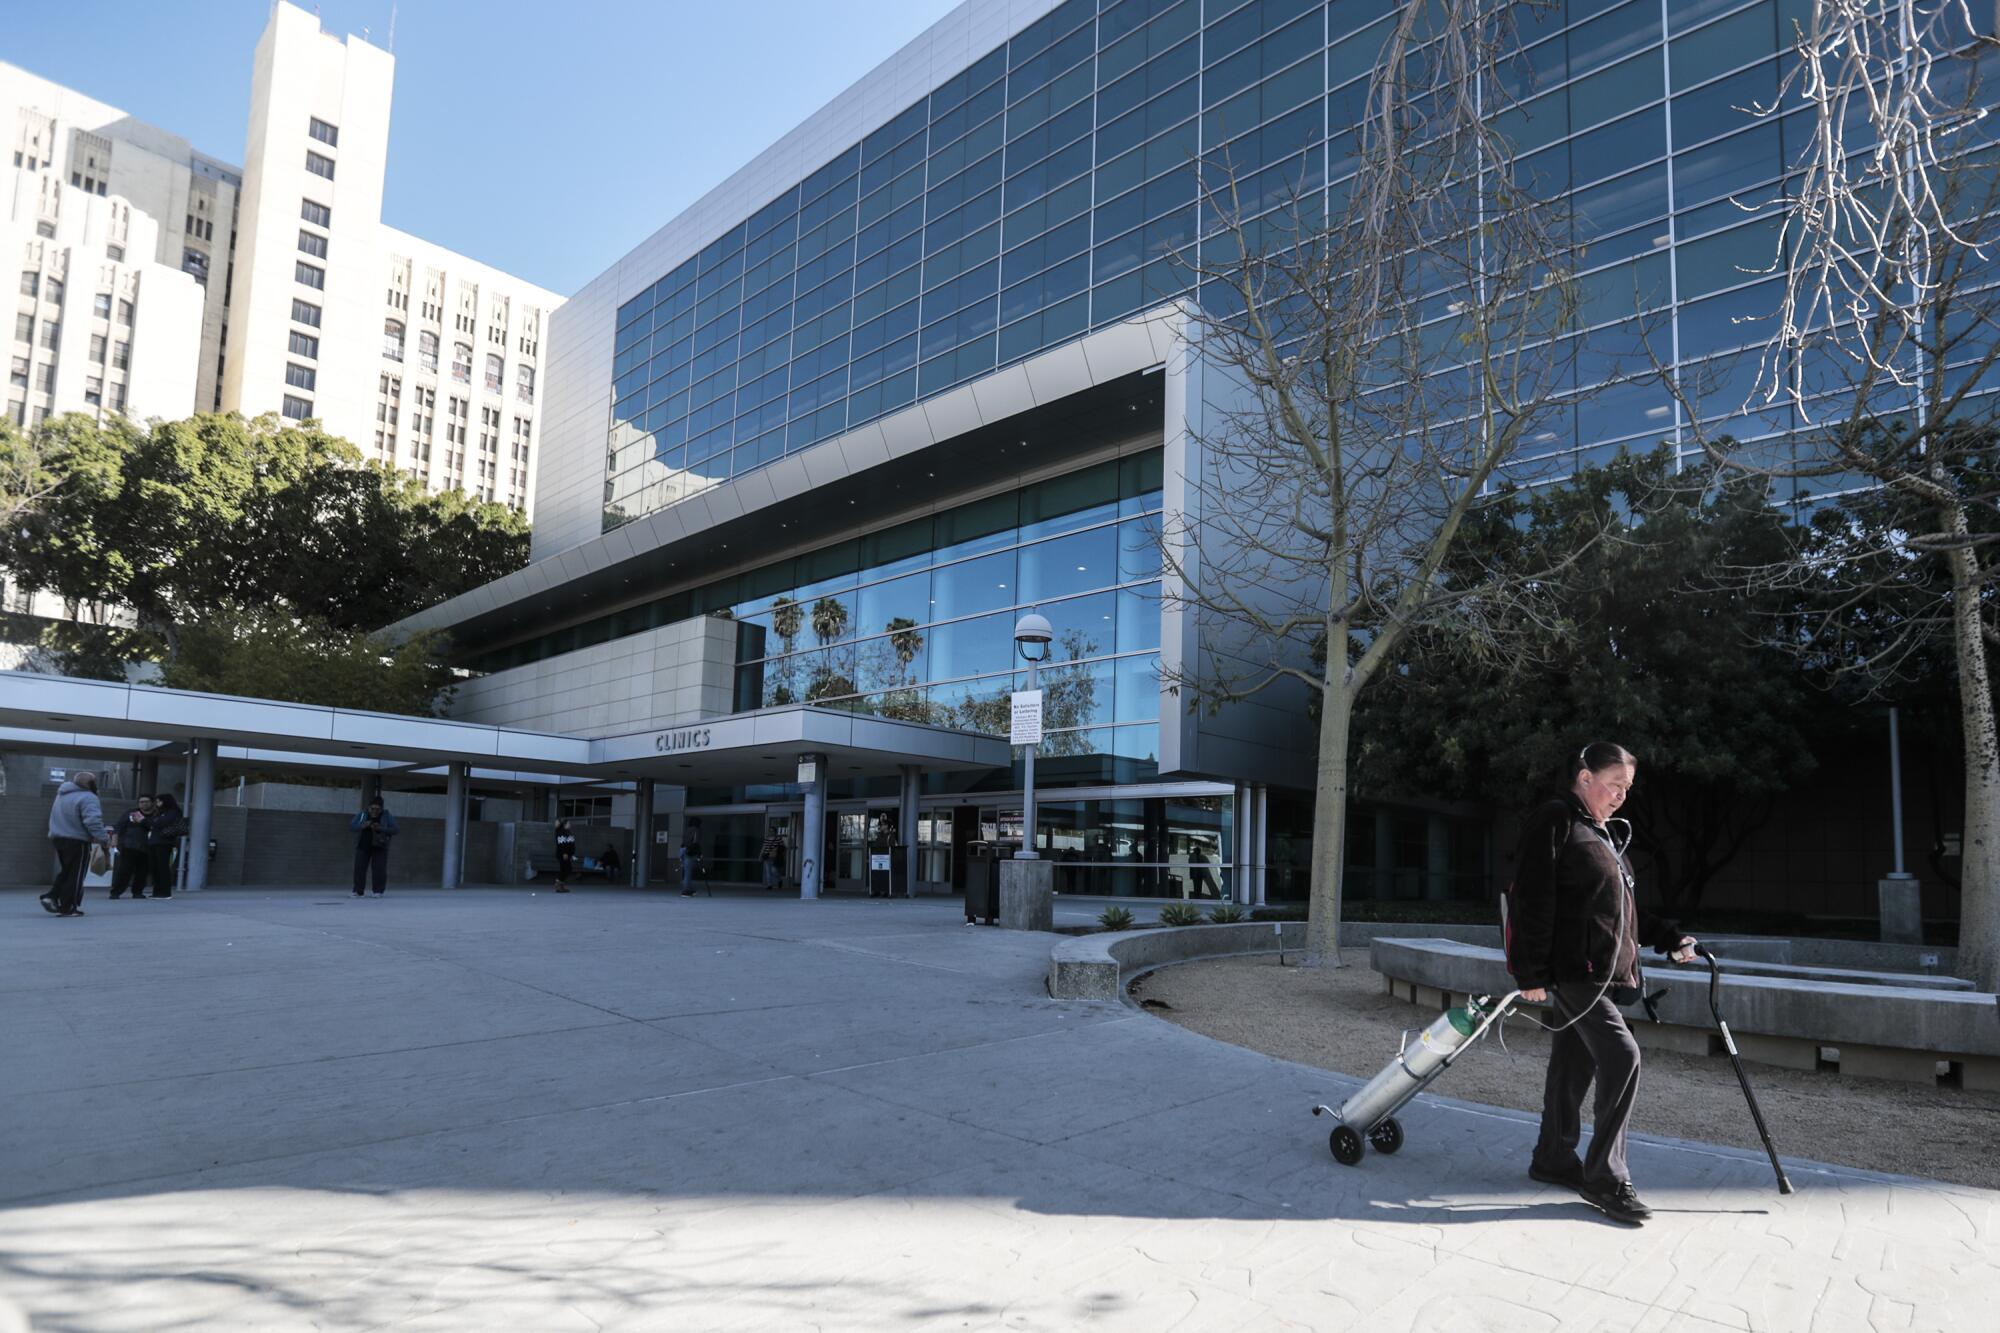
(374, 828)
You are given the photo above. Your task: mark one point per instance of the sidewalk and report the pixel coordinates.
(486, 1109)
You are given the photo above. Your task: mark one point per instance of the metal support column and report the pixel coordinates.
(906, 821)
(149, 776)
(642, 833)
(812, 775)
(454, 826)
(1259, 842)
(201, 812)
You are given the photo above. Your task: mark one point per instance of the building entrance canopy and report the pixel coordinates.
(112, 719)
(60, 714)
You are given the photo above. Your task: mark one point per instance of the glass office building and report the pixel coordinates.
(934, 256)
(1042, 192)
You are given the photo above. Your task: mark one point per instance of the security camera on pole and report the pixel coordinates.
(1027, 883)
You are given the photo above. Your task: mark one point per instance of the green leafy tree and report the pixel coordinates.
(25, 477)
(1637, 644)
(181, 520)
(274, 655)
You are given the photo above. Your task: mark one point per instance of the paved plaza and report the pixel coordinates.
(493, 1109)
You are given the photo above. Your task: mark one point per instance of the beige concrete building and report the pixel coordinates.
(279, 288)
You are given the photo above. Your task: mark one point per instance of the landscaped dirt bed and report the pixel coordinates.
(1343, 1019)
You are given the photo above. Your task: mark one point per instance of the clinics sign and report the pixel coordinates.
(679, 742)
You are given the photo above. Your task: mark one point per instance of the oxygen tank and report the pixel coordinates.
(1414, 1066)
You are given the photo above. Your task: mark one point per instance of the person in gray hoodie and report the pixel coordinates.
(76, 820)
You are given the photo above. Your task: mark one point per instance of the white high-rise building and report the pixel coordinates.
(110, 225)
(294, 297)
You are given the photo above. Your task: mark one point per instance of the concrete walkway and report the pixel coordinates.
(496, 1110)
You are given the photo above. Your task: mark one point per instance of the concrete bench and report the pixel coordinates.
(1099, 966)
(1875, 1030)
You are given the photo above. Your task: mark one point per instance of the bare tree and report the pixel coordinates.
(1371, 366)
(1883, 346)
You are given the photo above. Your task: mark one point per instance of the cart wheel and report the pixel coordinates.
(1387, 1136)
(1346, 1145)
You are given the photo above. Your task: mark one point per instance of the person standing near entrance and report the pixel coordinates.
(131, 869)
(374, 829)
(1573, 937)
(690, 856)
(164, 832)
(76, 822)
(773, 848)
(565, 855)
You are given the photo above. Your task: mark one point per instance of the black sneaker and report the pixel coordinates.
(357, 893)
(1619, 1202)
(1566, 1177)
(49, 904)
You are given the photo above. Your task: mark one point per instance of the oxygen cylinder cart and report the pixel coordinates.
(1371, 1112)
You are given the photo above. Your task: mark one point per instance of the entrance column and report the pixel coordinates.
(812, 776)
(906, 819)
(1259, 846)
(201, 812)
(454, 826)
(642, 833)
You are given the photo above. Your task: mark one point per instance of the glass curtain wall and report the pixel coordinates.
(917, 622)
(1044, 191)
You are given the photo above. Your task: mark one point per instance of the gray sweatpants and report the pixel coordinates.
(1597, 1046)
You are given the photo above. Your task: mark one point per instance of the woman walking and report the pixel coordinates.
(1573, 937)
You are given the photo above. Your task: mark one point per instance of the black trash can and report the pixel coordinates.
(982, 883)
(880, 883)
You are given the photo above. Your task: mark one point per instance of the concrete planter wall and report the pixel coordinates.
(1098, 967)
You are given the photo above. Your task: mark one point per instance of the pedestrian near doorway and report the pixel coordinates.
(76, 825)
(131, 868)
(690, 856)
(565, 855)
(374, 829)
(1574, 931)
(773, 848)
(164, 832)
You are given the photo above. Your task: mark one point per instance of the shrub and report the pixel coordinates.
(1225, 914)
(1115, 918)
(1180, 914)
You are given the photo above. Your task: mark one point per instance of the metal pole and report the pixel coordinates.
(201, 814)
(1896, 784)
(642, 833)
(454, 826)
(1028, 852)
(811, 871)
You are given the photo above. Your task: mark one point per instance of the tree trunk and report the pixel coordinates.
(1979, 914)
(1329, 825)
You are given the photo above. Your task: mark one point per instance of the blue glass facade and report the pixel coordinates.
(1042, 192)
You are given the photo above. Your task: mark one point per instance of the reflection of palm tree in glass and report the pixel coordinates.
(903, 637)
(829, 619)
(905, 699)
(786, 620)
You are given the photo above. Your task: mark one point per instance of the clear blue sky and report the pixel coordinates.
(545, 137)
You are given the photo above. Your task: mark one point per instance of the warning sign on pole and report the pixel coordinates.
(1026, 726)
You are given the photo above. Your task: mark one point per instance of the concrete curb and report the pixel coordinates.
(1100, 966)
